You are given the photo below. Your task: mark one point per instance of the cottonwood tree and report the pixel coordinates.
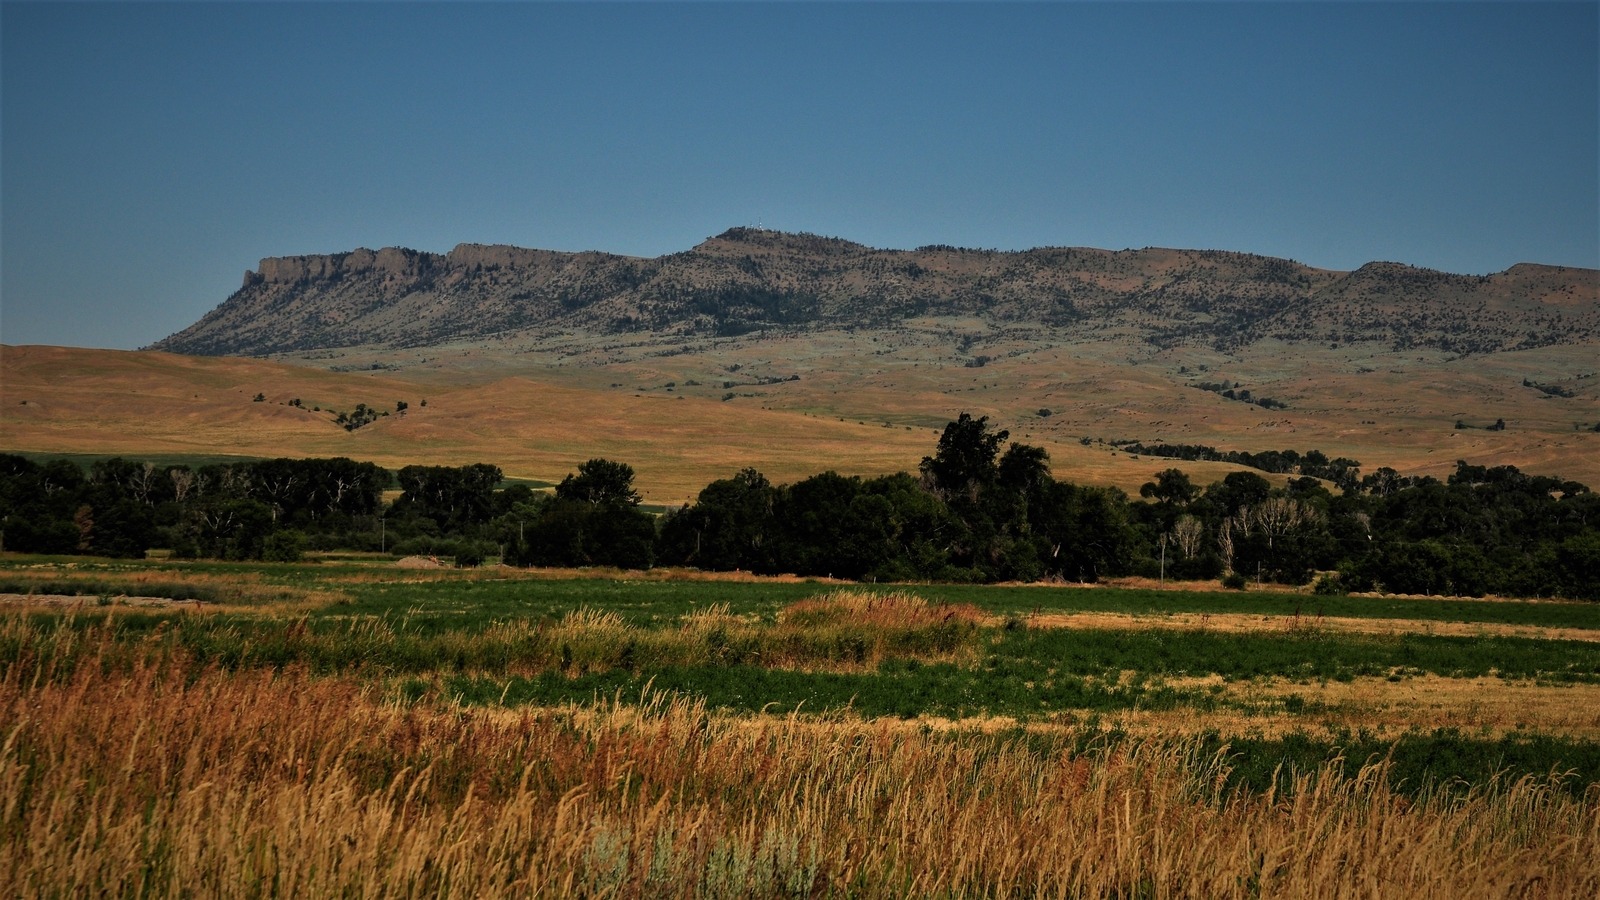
(275, 482)
(964, 462)
(600, 482)
(184, 483)
(594, 520)
(1187, 534)
(1277, 517)
(1274, 537)
(730, 525)
(1172, 487)
(1225, 535)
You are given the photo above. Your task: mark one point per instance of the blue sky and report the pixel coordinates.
(150, 154)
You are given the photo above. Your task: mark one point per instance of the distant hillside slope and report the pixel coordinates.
(748, 280)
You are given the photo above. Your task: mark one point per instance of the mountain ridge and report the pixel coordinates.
(748, 280)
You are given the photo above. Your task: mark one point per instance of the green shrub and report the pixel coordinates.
(284, 546)
(1327, 585)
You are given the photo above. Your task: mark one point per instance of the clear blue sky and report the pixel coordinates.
(153, 153)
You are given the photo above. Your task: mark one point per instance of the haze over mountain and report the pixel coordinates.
(753, 282)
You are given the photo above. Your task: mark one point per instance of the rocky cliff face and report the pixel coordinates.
(747, 280)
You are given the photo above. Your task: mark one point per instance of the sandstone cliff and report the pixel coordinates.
(747, 280)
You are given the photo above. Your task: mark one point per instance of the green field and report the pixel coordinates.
(510, 638)
(468, 599)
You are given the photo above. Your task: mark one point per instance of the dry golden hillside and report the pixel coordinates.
(861, 402)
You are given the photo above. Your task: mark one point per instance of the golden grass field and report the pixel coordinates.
(864, 403)
(270, 790)
(164, 782)
(130, 767)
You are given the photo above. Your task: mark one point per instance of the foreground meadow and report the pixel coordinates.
(350, 728)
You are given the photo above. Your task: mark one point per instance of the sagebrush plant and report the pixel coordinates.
(172, 777)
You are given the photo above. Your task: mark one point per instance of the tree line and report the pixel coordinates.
(977, 510)
(122, 508)
(1342, 471)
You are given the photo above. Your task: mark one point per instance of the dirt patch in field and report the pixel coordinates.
(84, 601)
(1265, 709)
(1273, 708)
(1473, 705)
(1302, 625)
(1135, 582)
(1488, 707)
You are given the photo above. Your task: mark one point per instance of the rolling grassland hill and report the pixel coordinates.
(138, 404)
(796, 354)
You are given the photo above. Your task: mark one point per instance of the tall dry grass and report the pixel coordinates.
(161, 778)
(840, 631)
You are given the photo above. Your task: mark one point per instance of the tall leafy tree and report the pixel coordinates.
(964, 462)
(451, 497)
(601, 482)
(594, 520)
(731, 525)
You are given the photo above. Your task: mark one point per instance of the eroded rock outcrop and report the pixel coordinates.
(747, 280)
